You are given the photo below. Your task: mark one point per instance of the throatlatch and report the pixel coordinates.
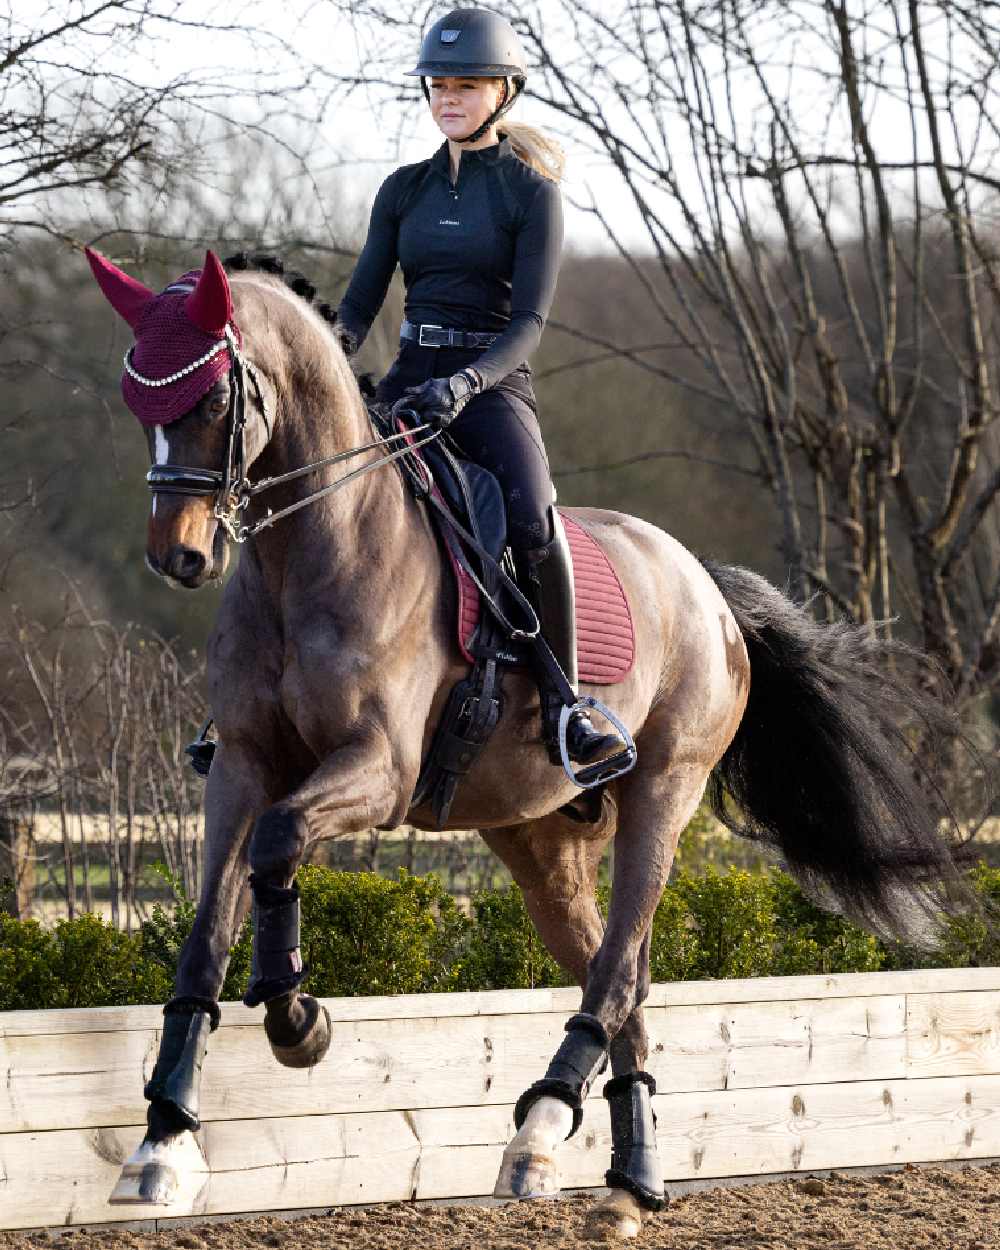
(277, 963)
(582, 1056)
(174, 1086)
(635, 1165)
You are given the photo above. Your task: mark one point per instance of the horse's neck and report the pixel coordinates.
(349, 532)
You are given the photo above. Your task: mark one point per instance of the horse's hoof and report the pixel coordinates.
(618, 1217)
(155, 1173)
(311, 1048)
(527, 1175)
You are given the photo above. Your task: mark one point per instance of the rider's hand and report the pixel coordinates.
(439, 400)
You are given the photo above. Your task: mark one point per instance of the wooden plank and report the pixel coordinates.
(526, 1002)
(953, 1034)
(87, 1080)
(274, 1164)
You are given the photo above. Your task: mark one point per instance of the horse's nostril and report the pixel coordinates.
(183, 563)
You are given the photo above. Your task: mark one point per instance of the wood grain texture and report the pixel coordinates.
(525, 1002)
(91, 1080)
(289, 1162)
(948, 1034)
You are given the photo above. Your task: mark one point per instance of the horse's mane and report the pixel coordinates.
(261, 262)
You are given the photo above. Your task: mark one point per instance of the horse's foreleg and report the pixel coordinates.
(555, 862)
(169, 1156)
(352, 790)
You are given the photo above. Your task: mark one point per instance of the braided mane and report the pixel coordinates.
(261, 262)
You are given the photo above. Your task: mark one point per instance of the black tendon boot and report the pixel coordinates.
(582, 1056)
(173, 1088)
(277, 964)
(635, 1165)
(550, 570)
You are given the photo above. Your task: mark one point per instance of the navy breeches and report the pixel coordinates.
(497, 429)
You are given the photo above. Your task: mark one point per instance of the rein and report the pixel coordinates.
(230, 485)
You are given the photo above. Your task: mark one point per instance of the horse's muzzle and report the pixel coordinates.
(182, 565)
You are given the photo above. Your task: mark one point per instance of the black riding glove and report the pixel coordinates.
(439, 400)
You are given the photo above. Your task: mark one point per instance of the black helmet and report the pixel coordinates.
(473, 43)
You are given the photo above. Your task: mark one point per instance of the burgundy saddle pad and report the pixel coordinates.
(605, 639)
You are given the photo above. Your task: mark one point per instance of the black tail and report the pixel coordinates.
(824, 766)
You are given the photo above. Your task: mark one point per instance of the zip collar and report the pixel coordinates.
(486, 156)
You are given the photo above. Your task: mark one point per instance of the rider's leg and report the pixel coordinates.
(550, 569)
(499, 430)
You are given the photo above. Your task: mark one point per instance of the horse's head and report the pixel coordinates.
(183, 379)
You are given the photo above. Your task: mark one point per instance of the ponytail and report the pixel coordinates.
(536, 149)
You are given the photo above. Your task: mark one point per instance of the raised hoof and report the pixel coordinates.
(310, 1050)
(527, 1176)
(618, 1217)
(155, 1174)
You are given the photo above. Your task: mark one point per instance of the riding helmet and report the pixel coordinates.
(474, 43)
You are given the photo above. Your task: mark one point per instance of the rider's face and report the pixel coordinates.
(461, 105)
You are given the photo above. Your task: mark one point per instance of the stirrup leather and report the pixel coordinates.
(603, 771)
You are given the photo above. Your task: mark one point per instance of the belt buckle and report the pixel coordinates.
(420, 336)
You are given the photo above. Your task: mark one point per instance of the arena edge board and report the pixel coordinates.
(905, 1065)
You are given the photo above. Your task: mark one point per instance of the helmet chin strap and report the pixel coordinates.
(506, 102)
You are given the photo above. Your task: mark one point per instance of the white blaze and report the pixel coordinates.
(161, 453)
(162, 447)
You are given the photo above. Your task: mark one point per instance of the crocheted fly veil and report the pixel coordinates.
(181, 347)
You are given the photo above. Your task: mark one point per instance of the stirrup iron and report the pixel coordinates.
(603, 771)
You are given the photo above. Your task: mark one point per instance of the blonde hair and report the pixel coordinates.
(536, 149)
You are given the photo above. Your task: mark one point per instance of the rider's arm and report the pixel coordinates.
(376, 265)
(537, 249)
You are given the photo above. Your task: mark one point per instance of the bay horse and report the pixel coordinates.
(332, 654)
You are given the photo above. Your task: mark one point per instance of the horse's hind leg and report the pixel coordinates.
(634, 1156)
(654, 807)
(555, 862)
(169, 1155)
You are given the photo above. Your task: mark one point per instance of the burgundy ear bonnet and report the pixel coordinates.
(180, 336)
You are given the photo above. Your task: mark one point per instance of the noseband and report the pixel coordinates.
(232, 489)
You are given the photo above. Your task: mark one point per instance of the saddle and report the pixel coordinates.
(470, 518)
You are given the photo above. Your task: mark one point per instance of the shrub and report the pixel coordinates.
(83, 962)
(364, 934)
(504, 951)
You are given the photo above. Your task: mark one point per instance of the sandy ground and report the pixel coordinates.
(944, 1208)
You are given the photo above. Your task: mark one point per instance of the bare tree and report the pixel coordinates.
(816, 183)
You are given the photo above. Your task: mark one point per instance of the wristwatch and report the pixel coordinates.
(462, 388)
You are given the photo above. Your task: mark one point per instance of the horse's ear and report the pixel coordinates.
(125, 295)
(210, 304)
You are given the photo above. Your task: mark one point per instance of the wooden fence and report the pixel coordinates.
(414, 1099)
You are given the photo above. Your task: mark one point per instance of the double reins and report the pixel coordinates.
(231, 486)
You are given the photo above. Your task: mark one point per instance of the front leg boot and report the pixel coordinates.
(173, 1089)
(277, 963)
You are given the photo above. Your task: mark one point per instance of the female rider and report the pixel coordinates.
(477, 229)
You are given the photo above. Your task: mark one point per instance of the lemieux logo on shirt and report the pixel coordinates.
(448, 221)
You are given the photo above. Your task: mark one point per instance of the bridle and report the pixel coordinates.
(230, 485)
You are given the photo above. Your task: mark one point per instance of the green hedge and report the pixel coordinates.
(365, 934)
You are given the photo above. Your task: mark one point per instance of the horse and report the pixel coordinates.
(329, 663)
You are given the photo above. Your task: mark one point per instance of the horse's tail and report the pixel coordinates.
(824, 769)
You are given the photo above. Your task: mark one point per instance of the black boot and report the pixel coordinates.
(550, 573)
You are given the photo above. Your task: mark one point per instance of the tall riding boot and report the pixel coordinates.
(550, 572)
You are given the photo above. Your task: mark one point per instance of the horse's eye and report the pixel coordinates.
(218, 405)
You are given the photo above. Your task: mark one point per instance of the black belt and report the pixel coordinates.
(440, 336)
